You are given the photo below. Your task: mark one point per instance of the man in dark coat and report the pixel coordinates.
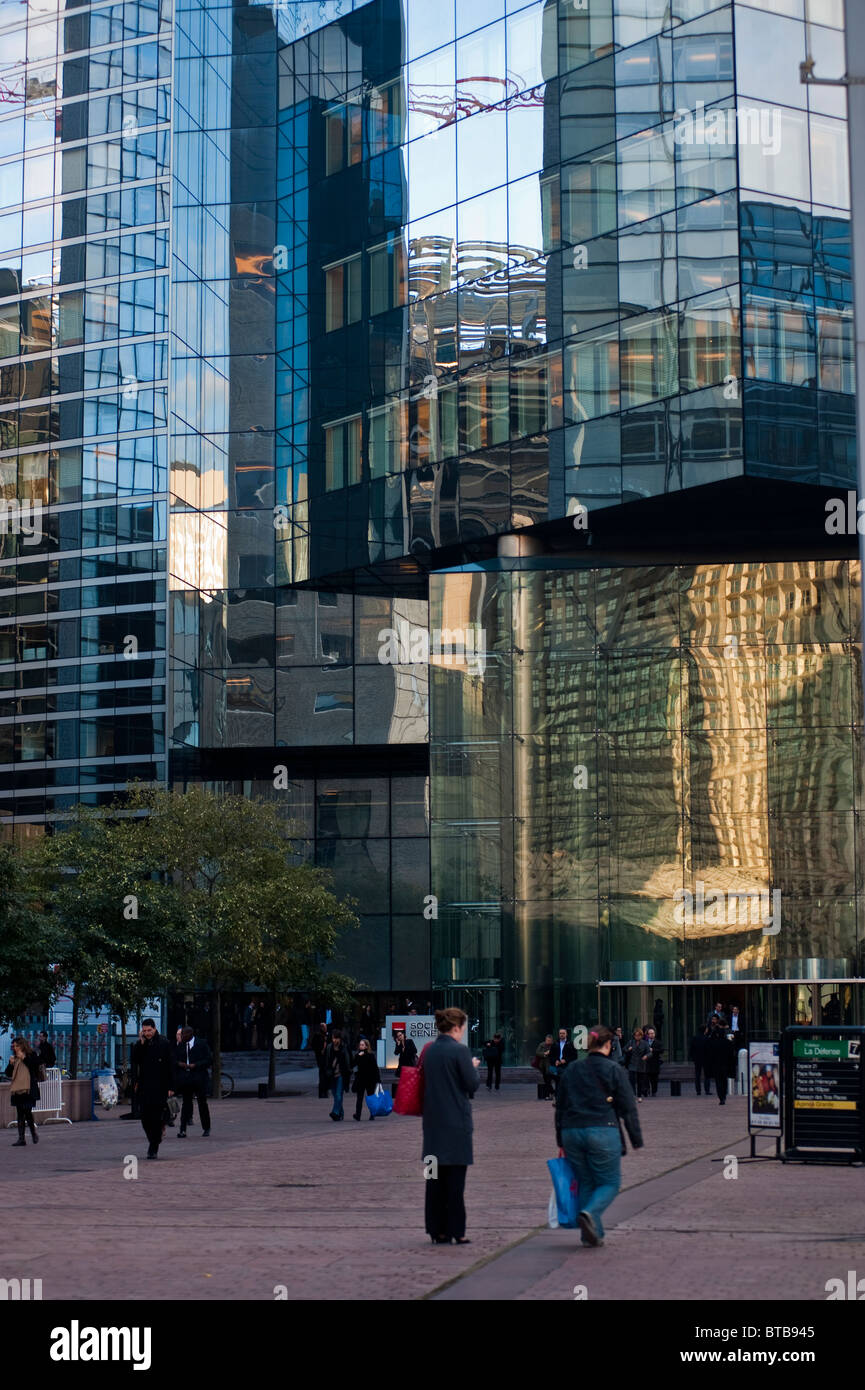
(192, 1058)
(718, 1058)
(561, 1053)
(151, 1081)
(45, 1052)
(450, 1080)
(337, 1070)
(319, 1047)
(698, 1057)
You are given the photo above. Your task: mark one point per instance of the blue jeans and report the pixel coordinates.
(336, 1090)
(596, 1157)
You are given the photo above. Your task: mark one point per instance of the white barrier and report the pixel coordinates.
(50, 1103)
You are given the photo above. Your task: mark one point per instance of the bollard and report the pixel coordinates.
(675, 1088)
(262, 1090)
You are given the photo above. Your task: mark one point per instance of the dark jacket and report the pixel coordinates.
(570, 1055)
(47, 1055)
(34, 1066)
(698, 1049)
(337, 1062)
(319, 1046)
(367, 1075)
(653, 1058)
(450, 1081)
(407, 1055)
(151, 1070)
(637, 1056)
(720, 1054)
(582, 1099)
(493, 1051)
(200, 1059)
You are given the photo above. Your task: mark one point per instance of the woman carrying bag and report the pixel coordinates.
(24, 1069)
(366, 1076)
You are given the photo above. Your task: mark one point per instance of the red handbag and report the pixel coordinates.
(409, 1092)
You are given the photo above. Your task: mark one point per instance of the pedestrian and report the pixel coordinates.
(152, 1080)
(637, 1053)
(192, 1059)
(45, 1052)
(653, 1061)
(563, 1052)
(543, 1052)
(319, 1048)
(24, 1068)
(450, 1080)
(718, 1059)
(405, 1050)
(366, 1077)
(717, 1015)
(620, 1039)
(616, 1054)
(337, 1068)
(493, 1053)
(735, 1021)
(698, 1057)
(592, 1098)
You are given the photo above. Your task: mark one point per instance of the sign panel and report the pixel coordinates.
(824, 1096)
(421, 1028)
(764, 1087)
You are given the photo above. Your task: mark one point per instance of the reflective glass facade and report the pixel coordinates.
(84, 227)
(317, 314)
(639, 732)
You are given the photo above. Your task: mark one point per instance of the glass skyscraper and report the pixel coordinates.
(455, 398)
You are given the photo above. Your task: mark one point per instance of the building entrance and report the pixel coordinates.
(678, 1010)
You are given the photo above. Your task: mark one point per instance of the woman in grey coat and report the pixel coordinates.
(450, 1080)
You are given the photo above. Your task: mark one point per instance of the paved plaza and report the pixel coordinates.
(282, 1196)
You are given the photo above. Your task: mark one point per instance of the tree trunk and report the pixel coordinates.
(271, 1059)
(73, 1040)
(123, 1051)
(217, 1044)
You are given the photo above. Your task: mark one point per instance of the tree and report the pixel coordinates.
(298, 920)
(229, 857)
(29, 948)
(121, 935)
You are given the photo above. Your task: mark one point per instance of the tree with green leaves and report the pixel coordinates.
(299, 920)
(121, 934)
(29, 948)
(257, 919)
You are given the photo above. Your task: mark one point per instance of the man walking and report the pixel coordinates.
(44, 1051)
(192, 1058)
(337, 1068)
(562, 1052)
(718, 1060)
(151, 1082)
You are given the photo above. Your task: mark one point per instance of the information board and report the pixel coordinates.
(421, 1028)
(764, 1087)
(824, 1091)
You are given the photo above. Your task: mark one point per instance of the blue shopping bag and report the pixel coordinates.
(380, 1103)
(566, 1190)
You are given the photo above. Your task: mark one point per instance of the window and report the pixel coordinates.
(387, 438)
(387, 276)
(343, 137)
(341, 293)
(342, 453)
(386, 116)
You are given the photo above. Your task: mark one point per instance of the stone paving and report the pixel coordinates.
(282, 1196)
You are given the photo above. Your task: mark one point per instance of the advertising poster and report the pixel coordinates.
(764, 1087)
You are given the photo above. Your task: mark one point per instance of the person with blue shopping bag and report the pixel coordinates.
(593, 1097)
(366, 1076)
